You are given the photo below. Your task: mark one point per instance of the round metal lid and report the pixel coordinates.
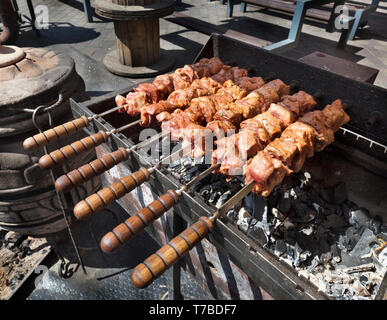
(37, 73)
(10, 55)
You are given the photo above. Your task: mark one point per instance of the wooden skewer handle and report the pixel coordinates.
(48, 136)
(154, 266)
(70, 151)
(138, 222)
(106, 196)
(88, 171)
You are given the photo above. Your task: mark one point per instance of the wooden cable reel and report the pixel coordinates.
(136, 25)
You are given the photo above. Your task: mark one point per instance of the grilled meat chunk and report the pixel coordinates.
(258, 132)
(313, 131)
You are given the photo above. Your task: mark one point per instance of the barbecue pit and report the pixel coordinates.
(355, 165)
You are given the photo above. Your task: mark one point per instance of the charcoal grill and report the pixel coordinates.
(359, 152)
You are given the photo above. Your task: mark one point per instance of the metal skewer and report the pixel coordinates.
(154, 266)
(70, 151)
(106, 196)
(146, 216)
(90, 170)
(46, 137)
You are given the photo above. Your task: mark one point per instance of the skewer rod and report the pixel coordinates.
(154, 266)
(63, 130)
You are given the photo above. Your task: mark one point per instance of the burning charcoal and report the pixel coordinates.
(299, 208)
(290, 236)
(263, 221)
(318, 208)
(303, 197)
(216, 186)
(290, 253)
(349, 261)
(348, 241)
(351, 205)
(307, 230)
(284, 205)
(244, 219)
(337, 290)
(288, 224)
(297, 253)
(279, 215)
(326, 257)
(232, 214)
(382, 257)
(256, 205)
(359, 218)
(293, 193)
(253, 222)
(175, 164)
(187, 177)
(363, 280)
(335, 253)
(306, 180)
(346, 210)
(305, 255)
(223, 198)
(360, 290)
(214, 197)
(205, 193)
(186, 162)
(258, 233)
(280, 247)
(375, 224)
(334, 221)
(314, 263)
(363, 246)
(315, 198)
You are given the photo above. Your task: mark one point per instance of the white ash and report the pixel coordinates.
(317, 230)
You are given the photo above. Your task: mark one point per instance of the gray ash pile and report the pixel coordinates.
(18, 256)
(330, 240)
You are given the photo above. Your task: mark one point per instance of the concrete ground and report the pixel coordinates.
(88, 43)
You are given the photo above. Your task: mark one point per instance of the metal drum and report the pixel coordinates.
(30, 78)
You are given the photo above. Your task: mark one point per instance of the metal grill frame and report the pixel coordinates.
(263, 268)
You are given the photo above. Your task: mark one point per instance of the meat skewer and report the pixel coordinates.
(257, 132)
(181, 86)
(220, 111)
(69, 151)
(85, 208)
(313, 131)
(88, 171)
(181, 99)
(135, 224)
(161, 87)
(164, 85)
